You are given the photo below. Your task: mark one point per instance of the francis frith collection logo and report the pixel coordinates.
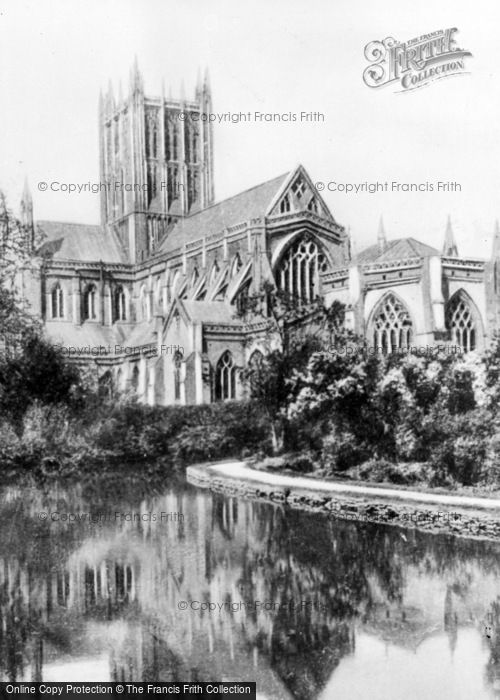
(414, 63)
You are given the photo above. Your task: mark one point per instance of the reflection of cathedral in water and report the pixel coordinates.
(108, 596)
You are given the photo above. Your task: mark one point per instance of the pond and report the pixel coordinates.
(116, 582)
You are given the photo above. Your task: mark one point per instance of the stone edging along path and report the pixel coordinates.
(464, 516)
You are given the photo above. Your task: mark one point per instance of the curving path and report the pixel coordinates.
(238, 471)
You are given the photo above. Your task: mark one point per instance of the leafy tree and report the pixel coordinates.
(295, 331)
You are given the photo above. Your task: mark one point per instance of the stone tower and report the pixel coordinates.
(156, 162)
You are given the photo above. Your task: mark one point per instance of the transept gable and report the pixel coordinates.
(298, 194)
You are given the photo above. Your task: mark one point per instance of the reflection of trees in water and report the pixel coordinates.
(319, 574)
(491, 632)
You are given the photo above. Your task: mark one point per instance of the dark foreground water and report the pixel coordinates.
(183, 585)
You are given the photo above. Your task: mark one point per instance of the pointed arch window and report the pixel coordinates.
(392, 326)
(461, 324)
(134, 380)
(120, 304)
(299, 270)
(57, 301)
(242, 298)
(285, 204)
(90, 303)
(313, 205)
(177, 375)
(225, 378)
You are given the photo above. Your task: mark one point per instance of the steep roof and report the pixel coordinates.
(211, 312)
(246, 205)
(399, 249)
(65, 241)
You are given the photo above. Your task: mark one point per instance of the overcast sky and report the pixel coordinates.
(280, 56)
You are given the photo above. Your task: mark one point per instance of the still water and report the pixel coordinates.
(110, 582)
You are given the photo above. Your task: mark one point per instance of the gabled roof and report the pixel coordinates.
(400, 249)
(65, 241)
(250, 204)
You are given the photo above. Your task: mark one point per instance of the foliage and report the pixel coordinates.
(37, 372)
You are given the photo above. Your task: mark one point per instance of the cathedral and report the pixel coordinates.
(152, 298)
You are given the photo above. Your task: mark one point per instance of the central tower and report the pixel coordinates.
(156, 162)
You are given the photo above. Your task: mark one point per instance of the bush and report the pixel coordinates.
(382, 470)
(341, 451)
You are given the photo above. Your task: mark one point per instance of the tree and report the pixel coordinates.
(295, 331)
(31, 369)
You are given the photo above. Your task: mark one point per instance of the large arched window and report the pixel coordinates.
(225, 378)
(392, 326)
(299, 269)
(57, 301)
(461, 324)
(90, 303)
(120, 304)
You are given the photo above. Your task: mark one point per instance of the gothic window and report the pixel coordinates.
(173, 183)
(152, 182)
(57, 299)
(135, 378)
(192, 186)
(392, 326)
(151, 135)
(194, 155)
(242, 298)
(90, 303)
(225, 378)
(313, 205)
(174, 142)
(177, 375)
(460, 323)
(120, 304)
(299, 269)
(285, 204)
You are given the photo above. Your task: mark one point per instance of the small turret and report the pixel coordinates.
(26, 216)
(136, 82)
(450, 246)
(381, 237)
